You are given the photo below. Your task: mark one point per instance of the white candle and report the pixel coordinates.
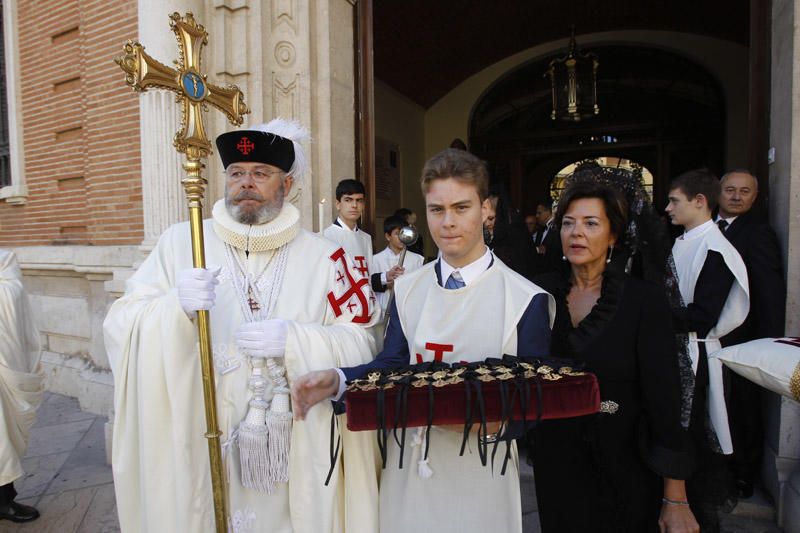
(321, 207)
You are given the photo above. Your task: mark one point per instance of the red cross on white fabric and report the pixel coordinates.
(361, 265)
(354, 289)
(437, 349)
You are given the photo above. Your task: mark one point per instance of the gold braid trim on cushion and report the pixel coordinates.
(260, 237)
(452, 376)
(794, 383)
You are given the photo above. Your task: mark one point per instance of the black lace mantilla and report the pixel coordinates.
(580, 337)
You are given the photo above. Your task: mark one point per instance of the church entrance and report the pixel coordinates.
(658, 110)
(678, 87)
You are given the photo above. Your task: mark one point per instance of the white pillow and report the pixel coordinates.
(771, 363)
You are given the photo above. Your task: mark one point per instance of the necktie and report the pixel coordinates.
(454, 281)
(722, 224)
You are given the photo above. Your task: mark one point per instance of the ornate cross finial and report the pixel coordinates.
(188, 82)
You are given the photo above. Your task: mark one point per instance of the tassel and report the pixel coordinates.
(279, 427)
(254, 453)
(424, 469)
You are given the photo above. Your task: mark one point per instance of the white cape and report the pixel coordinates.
(21, 377)
(160, 457)
(689, 256)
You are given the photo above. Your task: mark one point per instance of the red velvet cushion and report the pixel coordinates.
(568, 397)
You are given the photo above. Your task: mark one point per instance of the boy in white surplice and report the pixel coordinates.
(357, 243)
(712, 280)
(385, 263)
(466, 306)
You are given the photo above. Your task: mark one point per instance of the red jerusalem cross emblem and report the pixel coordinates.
(352, 288)
(361, 265)
(245, 145)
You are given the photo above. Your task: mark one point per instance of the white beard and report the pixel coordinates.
(266, 213)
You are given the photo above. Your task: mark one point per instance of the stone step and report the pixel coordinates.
(758, 507)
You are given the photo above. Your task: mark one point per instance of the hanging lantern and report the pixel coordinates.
(573, 80)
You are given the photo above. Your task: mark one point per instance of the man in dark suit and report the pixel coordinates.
(547, 240)
(758, 245)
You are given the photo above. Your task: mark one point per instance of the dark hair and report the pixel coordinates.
(613, 201)
(458, 144)
(459, 165)
(546, 203)
(392, 223)
(349, 186)
(698, 181)
(403, 213)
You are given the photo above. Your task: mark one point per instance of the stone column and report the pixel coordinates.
(163, 200)
(293, 59)
(782, 453)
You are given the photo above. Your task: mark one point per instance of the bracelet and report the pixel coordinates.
(674, 502)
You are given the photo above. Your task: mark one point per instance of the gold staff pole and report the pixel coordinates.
(194, 93)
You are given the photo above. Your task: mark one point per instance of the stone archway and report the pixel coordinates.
(656, 107)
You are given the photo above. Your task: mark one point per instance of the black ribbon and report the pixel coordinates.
(334, 454)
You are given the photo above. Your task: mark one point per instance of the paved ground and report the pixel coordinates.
(71, 484)
(68, 479)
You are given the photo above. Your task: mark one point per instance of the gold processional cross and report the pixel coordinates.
(194, 93)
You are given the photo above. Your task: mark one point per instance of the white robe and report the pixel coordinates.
(21, 377)
(385, 261)
(690, 256)
(160, 457)
(469, 324)
(357, 244)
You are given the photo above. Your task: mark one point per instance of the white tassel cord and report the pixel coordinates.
(265, 434)
(279, 424)
(279, 427)
(254, 453)
(424, 469)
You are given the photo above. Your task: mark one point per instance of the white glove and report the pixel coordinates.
(196, 288)
(266, 338)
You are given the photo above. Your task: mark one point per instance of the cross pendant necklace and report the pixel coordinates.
(251, 299)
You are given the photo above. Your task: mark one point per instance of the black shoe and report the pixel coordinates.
(745, 488)
(17, 512)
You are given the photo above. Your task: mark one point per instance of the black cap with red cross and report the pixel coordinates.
(245, 146)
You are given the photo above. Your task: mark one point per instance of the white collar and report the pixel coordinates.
(469, 272)
(258, 237)
(344, 226)
(698, 231)
(729, 220)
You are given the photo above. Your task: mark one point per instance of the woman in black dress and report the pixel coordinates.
(620, 470)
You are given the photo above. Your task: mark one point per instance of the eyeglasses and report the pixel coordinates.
(258, 175)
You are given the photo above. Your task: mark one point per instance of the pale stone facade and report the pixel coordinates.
(782, 450)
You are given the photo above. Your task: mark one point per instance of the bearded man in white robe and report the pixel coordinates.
(21, 384)
(282, 302)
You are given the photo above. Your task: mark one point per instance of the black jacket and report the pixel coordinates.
(758, 245)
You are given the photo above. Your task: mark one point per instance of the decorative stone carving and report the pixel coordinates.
(284, 96)
(284, 12)
(285, 54)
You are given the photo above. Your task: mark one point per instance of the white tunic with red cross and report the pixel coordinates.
(451, 325)
(357, 244)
